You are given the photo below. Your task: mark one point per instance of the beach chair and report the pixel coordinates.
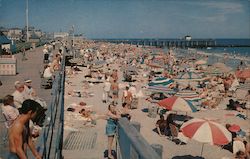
(46, 83)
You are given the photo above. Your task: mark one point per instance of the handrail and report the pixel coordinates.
(51, 140)
(132, 144)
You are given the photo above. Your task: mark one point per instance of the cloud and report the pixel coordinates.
(223, 7)
(213, 11)
(217, 17)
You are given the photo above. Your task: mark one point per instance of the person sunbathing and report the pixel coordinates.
(161, 126)
(211, 102)
(204, 93)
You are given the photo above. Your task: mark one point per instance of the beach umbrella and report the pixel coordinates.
(200, 62)
(159, 88)
(177, 104)
(206, 131)
(188, 95)
(189, 76)
(163, 81)
(243, 73)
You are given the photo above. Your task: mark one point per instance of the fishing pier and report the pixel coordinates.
(180, 43)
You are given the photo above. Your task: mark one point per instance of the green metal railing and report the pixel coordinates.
(51, 140)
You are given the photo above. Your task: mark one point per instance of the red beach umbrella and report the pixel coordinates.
(243, 74)
(234, 128)
(177, 104)
(206, 131)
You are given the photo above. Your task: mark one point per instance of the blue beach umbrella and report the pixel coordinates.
(159, 88)
(161, 81)
(188, 95)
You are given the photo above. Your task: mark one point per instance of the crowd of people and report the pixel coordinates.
(212, 90)
(24, 111)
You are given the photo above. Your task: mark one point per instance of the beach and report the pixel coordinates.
(73, 121)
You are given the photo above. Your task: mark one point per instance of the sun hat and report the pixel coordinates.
(27, 80)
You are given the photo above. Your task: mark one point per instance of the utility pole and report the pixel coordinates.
(73, 36)
(27, 20)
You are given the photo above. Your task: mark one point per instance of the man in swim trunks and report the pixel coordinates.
(19, 132)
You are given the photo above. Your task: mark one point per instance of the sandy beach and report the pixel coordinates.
(74, 122)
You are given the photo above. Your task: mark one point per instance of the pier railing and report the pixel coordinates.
(132, 145)
(51, 140)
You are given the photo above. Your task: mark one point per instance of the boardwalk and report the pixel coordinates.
(26, 69)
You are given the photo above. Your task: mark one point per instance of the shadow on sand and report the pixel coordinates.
(188, 157)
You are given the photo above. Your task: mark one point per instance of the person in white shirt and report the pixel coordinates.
(47, 72)
(133, 90)
(45, 51)
(9, 110)
(28, 89)
(19, 95)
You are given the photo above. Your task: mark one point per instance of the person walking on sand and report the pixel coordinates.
(106, 90)
(24, 55)
(111, 126)
(115, 91)
(20, 134)
(127, 97)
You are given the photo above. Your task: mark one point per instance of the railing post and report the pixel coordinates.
(136, 125)
(158, 149)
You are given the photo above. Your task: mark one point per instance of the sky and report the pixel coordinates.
(133, 18)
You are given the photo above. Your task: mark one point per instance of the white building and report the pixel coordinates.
(14, 33)
(38, 33)
(60, 34)
(188, 37)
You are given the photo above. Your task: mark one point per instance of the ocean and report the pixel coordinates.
(243, 52)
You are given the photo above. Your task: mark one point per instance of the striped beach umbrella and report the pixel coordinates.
(188, 95)
(206, 131)
(162, 89)
(159, 88)
(177, 104)
(189, 76)
(161, 81)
